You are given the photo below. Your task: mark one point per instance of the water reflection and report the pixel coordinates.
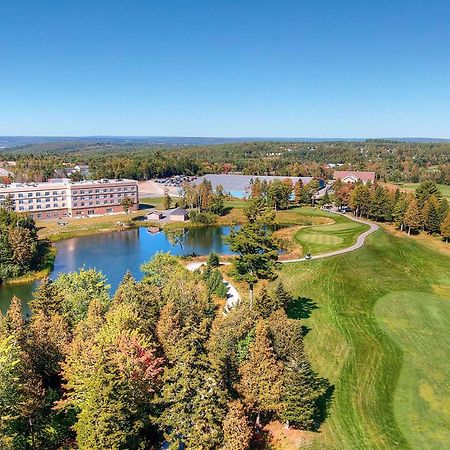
(115, 253)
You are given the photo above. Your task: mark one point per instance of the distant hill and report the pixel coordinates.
(49, 144)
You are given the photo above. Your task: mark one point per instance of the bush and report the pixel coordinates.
(213, 260)
(204, 218)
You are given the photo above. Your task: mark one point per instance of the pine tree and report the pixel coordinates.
(46, 298)
(261, 375)
(14, 322)
(303, 392)
(257, 255)
(283, 297)
(425, 191)
(266, 303)
(167, 200)
(413, 219)
(431, 219)
(400, 210)
(298, 186)
(237, 431)
(445, 228)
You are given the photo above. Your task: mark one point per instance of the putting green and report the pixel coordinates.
(321, 239)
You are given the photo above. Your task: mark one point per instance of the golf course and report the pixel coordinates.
(378, 330)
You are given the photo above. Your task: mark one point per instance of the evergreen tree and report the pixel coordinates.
(167, 200)
(425, 191)
(265, 303)
(237, 431)
(445, 227)
(303, 393)
(112, 375)
(413, 218)
(261, 375)
(257, 255)
(298, 187)
(46, 298)
(400, 210)
(431, 217)
(77, 291)
(283, 297)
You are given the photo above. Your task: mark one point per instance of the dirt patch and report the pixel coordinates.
(282, 438)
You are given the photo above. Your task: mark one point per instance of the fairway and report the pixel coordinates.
(379, 332)
(417, 322)
(411, 187)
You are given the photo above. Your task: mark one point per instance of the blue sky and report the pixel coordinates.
(225, 68)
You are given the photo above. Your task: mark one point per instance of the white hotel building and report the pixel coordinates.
(64, 198)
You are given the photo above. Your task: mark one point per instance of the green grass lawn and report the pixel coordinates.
(325, 238)
(444, 188)
(380, 334)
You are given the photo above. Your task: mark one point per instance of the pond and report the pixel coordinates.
(115, 253)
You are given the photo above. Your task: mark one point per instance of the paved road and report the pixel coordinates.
(359, 241)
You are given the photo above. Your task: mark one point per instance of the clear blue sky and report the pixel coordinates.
(312, 68)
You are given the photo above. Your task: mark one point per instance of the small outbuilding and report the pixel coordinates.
(154, 215)
(177, 214)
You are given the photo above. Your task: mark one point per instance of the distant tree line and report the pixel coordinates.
(392, 161)
(425, 210)
(159, 361)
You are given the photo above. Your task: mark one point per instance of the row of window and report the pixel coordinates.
(47, 206)
(91, 191)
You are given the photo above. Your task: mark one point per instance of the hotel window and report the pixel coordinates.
(39, 206)
(55, 205)
(38, 194)
(20, 202)
(21, 208)
(74, 192)
(109, 210)
(39, 215)
(38, 200)
(30, 194)
(20, 195)
(47, 205)
(47, 193)
(55, 192)
(91, 212)
(30, 207)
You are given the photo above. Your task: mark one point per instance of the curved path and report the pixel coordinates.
(358, 244)
(233, 297)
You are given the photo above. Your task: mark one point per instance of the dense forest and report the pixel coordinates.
(392, 160)
(157, 361)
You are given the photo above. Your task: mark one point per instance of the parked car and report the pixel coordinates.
(308, 256)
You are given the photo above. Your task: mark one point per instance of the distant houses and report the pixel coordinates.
(351, 176)
(169, 215)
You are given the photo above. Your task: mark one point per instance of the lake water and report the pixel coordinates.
(115, 253)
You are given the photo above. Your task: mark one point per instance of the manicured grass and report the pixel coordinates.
(418, 322)
(325, 238)
(444, 188)
(379, 332)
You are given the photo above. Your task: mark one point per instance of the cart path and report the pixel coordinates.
(233, 297)
(358, 244)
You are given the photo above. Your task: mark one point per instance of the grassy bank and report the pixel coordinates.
(379, 327)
